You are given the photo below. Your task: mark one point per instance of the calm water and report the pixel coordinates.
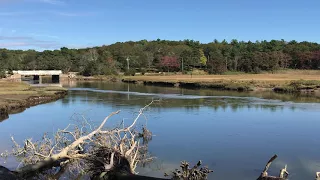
(235, 134)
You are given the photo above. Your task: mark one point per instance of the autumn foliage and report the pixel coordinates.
(170, 63)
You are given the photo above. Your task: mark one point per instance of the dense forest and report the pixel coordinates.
(174, 56)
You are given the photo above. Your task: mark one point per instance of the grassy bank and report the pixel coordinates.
(288, 81)
(16, 96)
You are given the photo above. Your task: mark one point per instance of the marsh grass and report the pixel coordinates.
(12, 93)
(280, 81)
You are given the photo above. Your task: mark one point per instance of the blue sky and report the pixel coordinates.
(51, 24)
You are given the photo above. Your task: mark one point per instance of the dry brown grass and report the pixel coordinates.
(290, 80)
(17, 91)
(277, 77)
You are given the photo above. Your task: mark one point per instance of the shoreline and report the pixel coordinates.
(279, 86)
(17, 97)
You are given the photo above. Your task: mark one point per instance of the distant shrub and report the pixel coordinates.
(2, 73)
(199, 72)
(143, 71)
(256, 70)
(109, 71)
(130, 72)
(184, 72)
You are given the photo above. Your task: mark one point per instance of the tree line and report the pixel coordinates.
(174, 56)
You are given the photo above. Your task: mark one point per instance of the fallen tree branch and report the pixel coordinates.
(64, 154)
(282, 176)
(73, 147)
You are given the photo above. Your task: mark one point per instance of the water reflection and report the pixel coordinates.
(226, 130)
(130, 89)
(98, 96)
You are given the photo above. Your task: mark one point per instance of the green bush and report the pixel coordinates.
(143, 71)
(109, 71)
(130, 72)
(256, 70)
(91, 69)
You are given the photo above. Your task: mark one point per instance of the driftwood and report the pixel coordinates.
(65, 154)
(282, 176)
(318, 176)
(187, 173)
(76, 149)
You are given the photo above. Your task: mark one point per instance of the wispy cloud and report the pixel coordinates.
(16, 42)
(13, 13)
(73, 14)
(12, 44)
(44, 45)
(15, 38)
(8, 1)
(57, 13)
(44, 35)
(53, 2)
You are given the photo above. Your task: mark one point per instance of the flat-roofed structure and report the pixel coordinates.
(55, 74)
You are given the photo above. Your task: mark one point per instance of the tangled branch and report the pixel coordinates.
(76, 148)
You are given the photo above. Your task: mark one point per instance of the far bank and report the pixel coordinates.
(296, 82)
